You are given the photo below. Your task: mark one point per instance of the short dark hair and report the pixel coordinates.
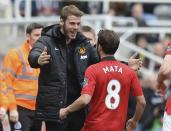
(33, 26)
(86, 28)
(108, 40)
(70, 10)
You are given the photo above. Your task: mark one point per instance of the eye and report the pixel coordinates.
(89, 39)
(78, 24)
(72, 23)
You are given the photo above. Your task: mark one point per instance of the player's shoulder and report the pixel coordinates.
(124, 65)
(93, 66)
(12, 51)
(127, 69)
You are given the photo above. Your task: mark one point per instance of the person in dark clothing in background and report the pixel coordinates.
(154, 104)
(134, 62)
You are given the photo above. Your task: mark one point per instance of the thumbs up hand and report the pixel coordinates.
(44, 58)
(135, 62)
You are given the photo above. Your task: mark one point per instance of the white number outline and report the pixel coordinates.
(113, 94)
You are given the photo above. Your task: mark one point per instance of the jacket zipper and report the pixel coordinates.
(66, 86)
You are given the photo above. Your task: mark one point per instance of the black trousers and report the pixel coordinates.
(1, 127)
(73, 122)
(52, 126)
(27, 120)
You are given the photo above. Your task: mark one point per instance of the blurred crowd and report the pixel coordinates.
(142, 12)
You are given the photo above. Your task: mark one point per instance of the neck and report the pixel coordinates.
(104, 55)
(68, 41)
(29, 44)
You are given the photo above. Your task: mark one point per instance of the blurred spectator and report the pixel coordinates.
(166, 40)
(95, 7)
(137, 11)
(163, 11)
(132, 101)
(47, 7)
(23, 82)
(118, 9)
(155, 104)
(111, 12)
(81, 5)
(22, 7)
(5, 9)
(87, 7)
(40, 7)
(158, 50)
(89, 33)
(5, 13)
(141, 41)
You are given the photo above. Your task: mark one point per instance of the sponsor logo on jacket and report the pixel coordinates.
(83, 57)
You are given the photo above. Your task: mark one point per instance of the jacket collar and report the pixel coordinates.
(108, 58)
(26, 46)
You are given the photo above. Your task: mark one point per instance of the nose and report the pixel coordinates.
(76, 26)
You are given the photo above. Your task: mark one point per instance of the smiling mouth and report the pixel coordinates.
(73, 33)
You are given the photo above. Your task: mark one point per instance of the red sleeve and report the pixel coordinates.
(168, 50)
(89, 82)
(136, 86)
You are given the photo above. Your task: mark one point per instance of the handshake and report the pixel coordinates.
(63, 112)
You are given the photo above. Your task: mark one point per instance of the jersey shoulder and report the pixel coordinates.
(126, 69)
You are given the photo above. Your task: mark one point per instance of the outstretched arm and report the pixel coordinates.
(38, 55)
(81, 102)
(134, 62)
(131, 124)
(164, 73)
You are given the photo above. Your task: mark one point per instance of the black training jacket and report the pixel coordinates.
(52, 85)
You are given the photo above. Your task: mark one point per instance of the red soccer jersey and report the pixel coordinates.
(109, 83)
(168, 50)
(168, 104)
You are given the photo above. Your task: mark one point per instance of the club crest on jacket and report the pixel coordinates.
(82, 50)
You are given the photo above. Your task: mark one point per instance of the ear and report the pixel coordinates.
(28, 37)
(98, 46)
(61, 22)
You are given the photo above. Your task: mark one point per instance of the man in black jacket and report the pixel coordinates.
(62, 54)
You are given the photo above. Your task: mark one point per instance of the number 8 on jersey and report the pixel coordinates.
(113, 93)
